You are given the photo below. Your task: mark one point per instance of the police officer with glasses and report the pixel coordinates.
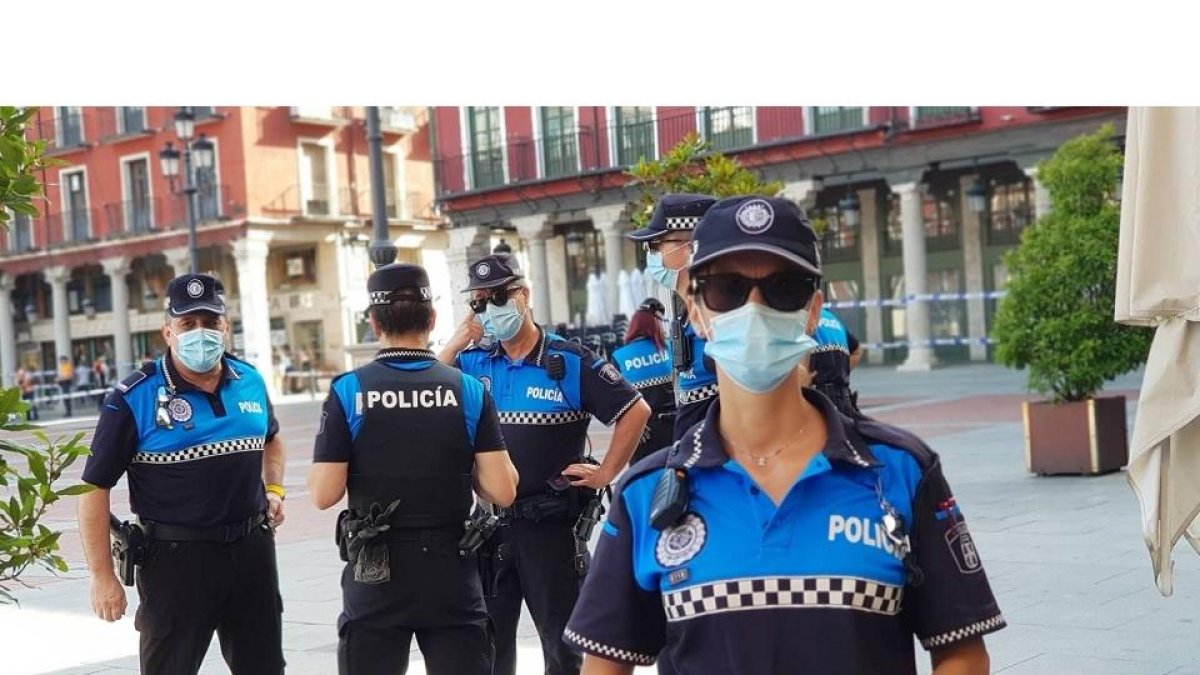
(779, 536)
(408, 439)
(197, 438)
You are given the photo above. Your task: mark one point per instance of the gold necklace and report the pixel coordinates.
(761, 460)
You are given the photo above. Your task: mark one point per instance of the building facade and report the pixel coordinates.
(284, 219)
(938, 194)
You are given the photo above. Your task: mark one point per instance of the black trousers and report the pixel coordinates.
(190, 589)
(537, 565)
(369, 649)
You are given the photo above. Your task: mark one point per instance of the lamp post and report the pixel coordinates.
(199, 151)
(383, 251)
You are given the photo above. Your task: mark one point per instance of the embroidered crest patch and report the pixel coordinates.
(679, 544)
(755, 216)
(179, 409)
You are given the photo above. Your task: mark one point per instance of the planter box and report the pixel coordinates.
(1083, 437)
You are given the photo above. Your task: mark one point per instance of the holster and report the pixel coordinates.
(489, 557)
(128, 549)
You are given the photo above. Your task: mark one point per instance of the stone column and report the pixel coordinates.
(920, 354)
(250, 255)
(972, 240)
(533, 231)
(1041, 196)
(607, 220)
(117, 269)
(869, 245)
(8, 338)
(467, 244)
(57, 277)
(179, 259)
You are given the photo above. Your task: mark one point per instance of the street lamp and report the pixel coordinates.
(201, 151)
(31, 314)
(89, 308)
(502, 247)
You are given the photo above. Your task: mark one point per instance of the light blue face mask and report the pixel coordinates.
(758, 347)
(200, 350)
(503, 322)
(663, 276)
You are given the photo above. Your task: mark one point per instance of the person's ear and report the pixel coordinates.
(697, 319)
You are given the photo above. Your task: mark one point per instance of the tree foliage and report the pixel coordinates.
(1057, 317)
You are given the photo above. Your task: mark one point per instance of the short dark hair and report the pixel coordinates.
(404, 317)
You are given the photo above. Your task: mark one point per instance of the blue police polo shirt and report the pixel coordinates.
(830, 361)
(342, 415)
(643, 363)
(205, 471)
(699, 382)
(813, 585)
(544, 421)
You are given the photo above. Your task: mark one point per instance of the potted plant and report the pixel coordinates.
(1057, 317)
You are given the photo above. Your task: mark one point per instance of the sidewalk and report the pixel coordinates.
(1065, 555)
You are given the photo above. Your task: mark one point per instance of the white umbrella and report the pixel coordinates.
(629, 301)
(605, 311)
(1158, 284)
(595, 300)
(637, 284)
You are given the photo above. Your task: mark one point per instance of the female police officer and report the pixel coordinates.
(784, 537)
(645, 361)
(408, 438)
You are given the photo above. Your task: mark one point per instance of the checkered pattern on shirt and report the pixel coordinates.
(978, 628)
(682, 222)
(696, 395)
(542, 418)
(782, 593)
(608, 651)
(205, 451)
(651, 382)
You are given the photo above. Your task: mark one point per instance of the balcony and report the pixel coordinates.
(316, 115)
(134, 216)
(61, 133)
(115, 124)
(834, 119)
(295, 201)
(397, 120)
(928, 117)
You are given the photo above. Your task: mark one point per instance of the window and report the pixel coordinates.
(635, 134)
(1010, 211)
(840, 241)
(389, 184)
(584, 256)
(832, 119)
(138, 214)
(314, 179)
(939, 209)
(938, 113)
(75, 210)
(300, 266)
(947, 318)
(69, 121)
(202, 111)
(20, 236)
(728, 128)
(486, 149)
(208, 190)
(560, 157)
(131, 119)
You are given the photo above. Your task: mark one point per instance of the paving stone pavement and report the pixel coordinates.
(1064, 555)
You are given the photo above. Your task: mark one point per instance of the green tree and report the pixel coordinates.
(1057, 317)
(26, 494)
(694, 167)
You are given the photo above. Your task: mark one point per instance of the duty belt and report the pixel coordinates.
(537, 507)
(221, 534)
(699, 394)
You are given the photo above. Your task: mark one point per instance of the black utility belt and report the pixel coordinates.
(221, 534)
(537, 507)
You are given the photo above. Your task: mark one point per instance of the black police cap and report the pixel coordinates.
(494, 271)
(653, 306)
(756, 223)
(398, 281)
(673, 212)
(189, 293)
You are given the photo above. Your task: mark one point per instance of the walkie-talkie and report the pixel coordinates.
(681, 347)
(556, 367)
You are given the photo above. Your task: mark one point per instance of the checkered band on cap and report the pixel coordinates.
(681, 222)
(206, 451)
(783, 593)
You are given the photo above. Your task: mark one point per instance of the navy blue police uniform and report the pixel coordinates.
(409, 429)
(830, 361)
(647, 368)
(194, 463)
(696, 379)
(544, 420)
(867, 549)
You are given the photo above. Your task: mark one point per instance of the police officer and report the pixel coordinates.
(780, 537)
(197, 436)
(408, 438)
(831, 361)
(668, 238)
(547, 389)
(645, 360)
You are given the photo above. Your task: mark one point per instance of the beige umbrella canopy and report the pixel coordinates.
(1158, 284)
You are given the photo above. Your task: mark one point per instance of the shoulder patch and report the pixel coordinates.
(131, 380)
(874, 430)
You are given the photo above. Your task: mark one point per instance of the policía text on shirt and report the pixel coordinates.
(412, 398)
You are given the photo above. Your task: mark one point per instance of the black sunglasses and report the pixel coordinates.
(783, 291)
(498, 298)
(659, 244)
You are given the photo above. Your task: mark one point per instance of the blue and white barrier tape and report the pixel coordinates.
(935, 342)
(901, 302)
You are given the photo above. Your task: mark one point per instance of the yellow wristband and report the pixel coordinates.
(277, 490)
